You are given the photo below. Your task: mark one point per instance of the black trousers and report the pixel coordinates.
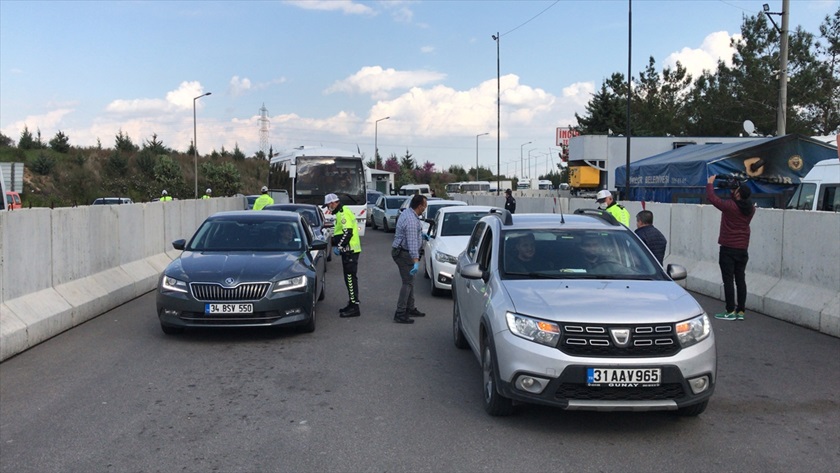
(350, 264)
(733, 266)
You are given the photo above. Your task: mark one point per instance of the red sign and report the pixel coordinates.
(564, 134)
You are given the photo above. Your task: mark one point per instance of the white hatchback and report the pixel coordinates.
(449, 232)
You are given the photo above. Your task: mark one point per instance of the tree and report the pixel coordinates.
(820, 108)
(407, 162)
(155, 147)
(60, 143)
(458, 172)
(606, 111)
(122, 142)
(5, 141)
(168, 174)
(238, 155)
(26, 141)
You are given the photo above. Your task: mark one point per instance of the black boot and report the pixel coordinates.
(402, 318)
(353, 311)
(415, 313)
(348, 308)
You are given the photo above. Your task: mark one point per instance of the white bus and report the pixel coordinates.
(308, 173)
(453, 188)
(475, 186)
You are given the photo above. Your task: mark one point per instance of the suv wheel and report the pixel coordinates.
(457, 333)
(385, 225)
(494, 403)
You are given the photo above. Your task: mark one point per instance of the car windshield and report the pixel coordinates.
(394, 202)
(247, 235)
(432, 210)
(576, 254)
(459, 223)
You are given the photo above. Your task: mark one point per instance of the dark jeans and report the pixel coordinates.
(350, 264)
(733, 265)
(404, 262)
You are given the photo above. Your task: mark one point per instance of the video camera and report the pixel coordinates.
(727, 182)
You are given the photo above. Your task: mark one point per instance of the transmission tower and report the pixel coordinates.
(264, 131)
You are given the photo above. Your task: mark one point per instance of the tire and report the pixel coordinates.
(693, 410)
(309, 326)
(373, 223)
(171, 330)
(436, 291)
(385, 225)
(426, 273)
(457, 333)
(494, 403)
(323, 293)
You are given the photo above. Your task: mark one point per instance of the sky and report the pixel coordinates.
(329, 72)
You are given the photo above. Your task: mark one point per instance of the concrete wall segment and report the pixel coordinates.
(811, 248)
(27, 252)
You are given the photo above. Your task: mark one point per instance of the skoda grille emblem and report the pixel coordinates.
(621, 336)
(229, 282)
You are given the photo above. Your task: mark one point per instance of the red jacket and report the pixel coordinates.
(734, 224)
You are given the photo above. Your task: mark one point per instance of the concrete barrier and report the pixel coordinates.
(62, 267)
(794, 268)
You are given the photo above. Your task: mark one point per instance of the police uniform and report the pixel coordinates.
(346, 239)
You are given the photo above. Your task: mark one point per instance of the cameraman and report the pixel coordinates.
(734, 240)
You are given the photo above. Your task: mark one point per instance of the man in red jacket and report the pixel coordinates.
(734, 240)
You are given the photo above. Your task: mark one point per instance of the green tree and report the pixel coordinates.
(459, 174)
(5, 141)
(407, 162)
(60, 143)
(168, 174)
(26, 140)
(43, 164)
(224, 178)
(155, 146)
(606, 112)
(238, 155)
(122, 142)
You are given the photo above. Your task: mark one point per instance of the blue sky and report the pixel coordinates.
(327, 70)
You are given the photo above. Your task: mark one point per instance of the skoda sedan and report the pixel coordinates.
(243, 269)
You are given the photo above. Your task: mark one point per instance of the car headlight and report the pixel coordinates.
(290, 284)
(445, 258)
(539, 331)
(172, 284)
(694, 330)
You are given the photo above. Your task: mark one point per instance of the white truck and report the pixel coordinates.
(819, 189)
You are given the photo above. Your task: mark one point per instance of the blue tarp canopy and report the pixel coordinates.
(768, 165)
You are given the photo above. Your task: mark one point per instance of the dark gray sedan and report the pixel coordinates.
(242, 269)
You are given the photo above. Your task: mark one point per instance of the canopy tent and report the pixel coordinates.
(769, 166)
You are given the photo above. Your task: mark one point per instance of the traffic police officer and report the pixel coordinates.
(207, 194)
(346, 243)
(165, 197)
(263, 200)
(605, 199)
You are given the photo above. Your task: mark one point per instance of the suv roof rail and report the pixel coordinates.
(504, 215)
(598, 213)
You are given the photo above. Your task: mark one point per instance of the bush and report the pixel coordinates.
(43, 164)
(60, 143)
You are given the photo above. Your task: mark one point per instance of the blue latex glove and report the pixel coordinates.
(414, 269)
(425, 236)
(336, 251)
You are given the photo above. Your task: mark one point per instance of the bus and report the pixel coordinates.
(453, 188)
(475, 186)
(308, 173)
(545, 184)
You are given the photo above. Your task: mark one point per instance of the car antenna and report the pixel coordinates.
(562, 218)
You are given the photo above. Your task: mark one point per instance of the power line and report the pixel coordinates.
(531, 19)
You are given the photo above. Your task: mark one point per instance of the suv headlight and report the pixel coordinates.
(290, 284)
(539, 331)
(694, 330)
(445, 258)
(174, 285)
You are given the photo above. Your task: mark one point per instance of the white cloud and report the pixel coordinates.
(377, 82)
(346, 6)
(427, 49)
(178, 99)
(239, 86)
(716, 46)
(49, 124)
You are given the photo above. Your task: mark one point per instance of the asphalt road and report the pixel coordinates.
(116, 394)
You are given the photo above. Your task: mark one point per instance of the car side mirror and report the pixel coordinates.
(472, 271)
(318, 245)
(179, 244)
(677, 272)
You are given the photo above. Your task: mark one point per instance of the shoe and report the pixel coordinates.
(351, 312)
(402, 319)
(726, 316)
(740, 315)
(415, 313)
(349, 307)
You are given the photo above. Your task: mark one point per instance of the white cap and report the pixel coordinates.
(208, 191)
(330, 198)
(603, 194)
(264, 189)
(164, 192)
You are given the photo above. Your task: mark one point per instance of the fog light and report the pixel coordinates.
(531, 384)
(698, 385)
(295, 311)
(171, 312)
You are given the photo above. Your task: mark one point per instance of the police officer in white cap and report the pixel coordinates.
(263, 200)
(346, 242)
(606, 202)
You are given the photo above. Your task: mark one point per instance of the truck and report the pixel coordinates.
(501, 185)
(819, 189)
(586, 179)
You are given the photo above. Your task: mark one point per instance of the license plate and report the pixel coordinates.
(229, 308)
(623, 377)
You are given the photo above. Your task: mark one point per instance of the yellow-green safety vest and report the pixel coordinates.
(262, 201)
(620, 213)
(346, 220)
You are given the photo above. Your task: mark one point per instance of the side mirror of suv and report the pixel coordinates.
(677, 272)
(472, 271)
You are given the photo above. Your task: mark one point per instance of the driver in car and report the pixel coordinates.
(523, 259)
(594, 252)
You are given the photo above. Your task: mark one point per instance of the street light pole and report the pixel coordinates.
(521, 169)
(195, 144)
(476, 155)
(530, 176)
(496, 38)
(376, 139)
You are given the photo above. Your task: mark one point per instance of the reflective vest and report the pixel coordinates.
(262, 201)
(166, 198)
(205, 196)
(620, 213)
(345, 221)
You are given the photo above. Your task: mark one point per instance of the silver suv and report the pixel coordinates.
(573, 311)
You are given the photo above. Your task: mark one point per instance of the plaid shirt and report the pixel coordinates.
(407, 235)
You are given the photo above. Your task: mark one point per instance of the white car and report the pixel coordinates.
(449, 233)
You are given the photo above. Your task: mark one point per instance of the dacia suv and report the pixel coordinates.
(574, 311)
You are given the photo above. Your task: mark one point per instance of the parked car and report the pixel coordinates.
(433, 205)
(112, 201)
(13, 200)
(385, 211)
(242, 269)
(573, 311)
(314, 216)
(429, 201)
(372, 197)
(449, 231)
